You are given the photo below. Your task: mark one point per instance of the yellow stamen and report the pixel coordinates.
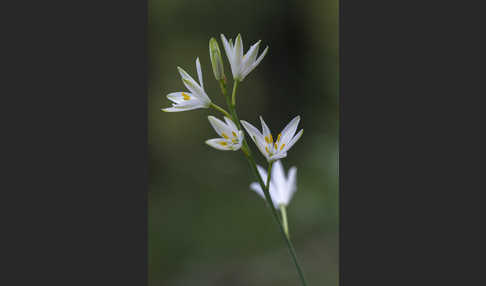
(267, 140)
(185, 96)
(271, 138)
(278, 138)
(223, 143)
(234, 134)
(282, 147)
(266, 149)
(275, 145)
(224, 135)
(234, 140)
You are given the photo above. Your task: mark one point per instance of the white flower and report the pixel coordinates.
(241, 65)
(195, 98)
(278, 149)
(282, 188)
(231, 136)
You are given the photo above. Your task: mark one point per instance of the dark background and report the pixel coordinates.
(205, 225)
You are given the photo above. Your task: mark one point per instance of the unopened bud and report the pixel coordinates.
(216, 59)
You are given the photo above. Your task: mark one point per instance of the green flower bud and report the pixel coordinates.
(216, 59)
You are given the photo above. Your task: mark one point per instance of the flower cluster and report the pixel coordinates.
(278, 188)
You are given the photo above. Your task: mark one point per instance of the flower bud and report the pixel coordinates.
(216, 59)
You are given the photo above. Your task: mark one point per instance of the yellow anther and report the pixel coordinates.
(275, 145)
(267, 140)
(234, 140)
(271, 138)
(278, 138)
(223, 143)
(224, 135)
(185, 96)
(266, 149)
(282, 147)
(234, 134)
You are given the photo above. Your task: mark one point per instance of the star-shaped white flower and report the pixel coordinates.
(232, 138)
(282, 187)
(195, 98)
(270, 149)
(242, 65)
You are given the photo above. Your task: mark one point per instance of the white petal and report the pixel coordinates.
(236, 147)
(219, 126)
(260, 58)
(216, 143)
(254, 133)
(256, 136)
(253, 65)
(241, 135)
(231, 124)
(278, 175)
(177, 108)
(228, 49)
(291, 185)
(189, 82)
(250, 56)
(289, 131)
(177, 96)
(237, 57)
(277, 156)
(199, 73)
(294, 139)
(263, 173)
(265, 129)
(256, 187)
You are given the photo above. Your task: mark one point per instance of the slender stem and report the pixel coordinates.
(247, 151)
(220, 109)
(222, 85)
(283, 212)
(233, 96)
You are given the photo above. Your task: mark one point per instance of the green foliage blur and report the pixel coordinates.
(205, 225)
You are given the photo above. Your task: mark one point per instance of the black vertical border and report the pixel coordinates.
(77, 152)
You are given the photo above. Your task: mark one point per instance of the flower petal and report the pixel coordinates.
(220, 127)
(263, 173)
(256, 187)
(199, 72)
(266, 131)
(278, 177)
(293, 141)
(237, 57)
(177, 108)
(291, 185)
(250, 56)
(256, 136)
(231, 124)
(228, 49)
(219, 143)
(277, 156)
(254, 133)
(253, 65)
(178, 97)
(289, 131)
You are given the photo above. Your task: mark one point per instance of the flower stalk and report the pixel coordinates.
(220, 109)
(283, 212)
(265, 187)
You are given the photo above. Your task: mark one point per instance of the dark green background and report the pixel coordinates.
(205, 226)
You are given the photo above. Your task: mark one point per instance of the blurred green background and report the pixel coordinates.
(205, 225)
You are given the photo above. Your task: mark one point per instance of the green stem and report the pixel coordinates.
(233, 96)
(283, 211)
(220, 109)
(247, 151)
